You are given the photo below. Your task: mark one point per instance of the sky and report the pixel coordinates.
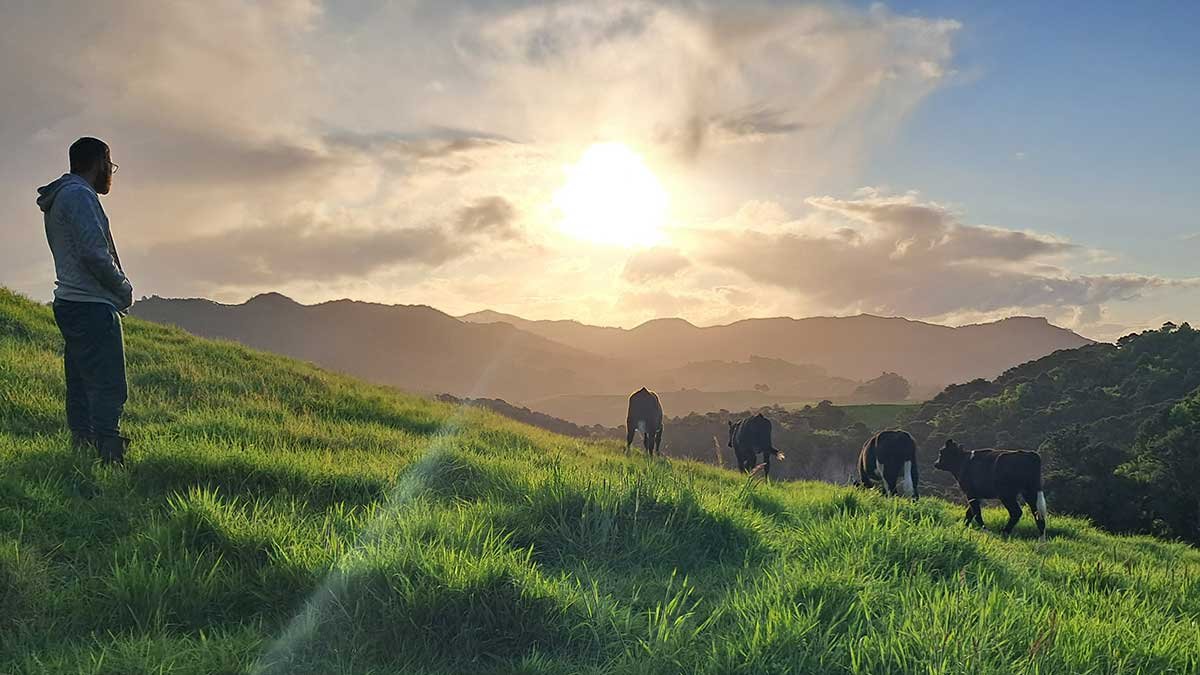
(620, 161)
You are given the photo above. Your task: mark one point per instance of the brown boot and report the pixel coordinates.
(112, 449)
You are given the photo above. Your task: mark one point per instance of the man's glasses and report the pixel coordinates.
(114, 166)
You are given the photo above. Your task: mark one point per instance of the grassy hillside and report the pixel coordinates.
(275, 518)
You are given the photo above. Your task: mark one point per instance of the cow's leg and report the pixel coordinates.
(916, 493)
(658, 440)
(1037, 507)
(648, 442)
(767, 464)
(1014, 512)
(975, 512)
(629, 435)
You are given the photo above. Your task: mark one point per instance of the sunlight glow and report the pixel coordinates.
(611, 197)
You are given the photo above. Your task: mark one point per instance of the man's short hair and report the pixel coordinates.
(85, 152)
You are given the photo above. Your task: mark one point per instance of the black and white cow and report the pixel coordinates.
(749, 438)
(645, 415)
(896, 451)
(997, 474)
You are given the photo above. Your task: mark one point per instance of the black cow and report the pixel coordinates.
(997, 474)
(897, 452)
(646, 416)
(749, 438)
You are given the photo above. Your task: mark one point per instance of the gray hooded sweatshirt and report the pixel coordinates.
(86, 265)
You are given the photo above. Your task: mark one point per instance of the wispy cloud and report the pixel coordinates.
(493, 216)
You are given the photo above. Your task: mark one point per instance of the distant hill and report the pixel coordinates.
(413, 347)
(488, 355)
(856, 347)
(758, 373)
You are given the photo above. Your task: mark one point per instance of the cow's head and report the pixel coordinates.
(950, 457)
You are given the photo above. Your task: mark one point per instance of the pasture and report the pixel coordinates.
(276, 518)
(879, 415)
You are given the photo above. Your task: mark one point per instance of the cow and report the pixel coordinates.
(897, 452)
(646, 416)
(749, 438)
(997, 474)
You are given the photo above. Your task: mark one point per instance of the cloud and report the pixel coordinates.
(932, 226)
(494, 216)
(757, 122)
(753, 124)
(654, 263)
(302, 248)
(901, 256)
(447, 150)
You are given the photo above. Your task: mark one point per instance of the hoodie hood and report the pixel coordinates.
(47, 193)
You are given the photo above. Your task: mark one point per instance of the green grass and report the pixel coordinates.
(275, 518)
(880, 415)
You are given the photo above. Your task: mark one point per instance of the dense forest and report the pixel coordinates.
(1118, 426)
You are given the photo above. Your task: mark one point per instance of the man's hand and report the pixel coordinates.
(126, 296)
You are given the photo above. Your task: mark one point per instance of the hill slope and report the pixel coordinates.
(856, 347)
(277, 518)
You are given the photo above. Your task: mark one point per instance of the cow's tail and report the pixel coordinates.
(906, 483)
(1041, 494)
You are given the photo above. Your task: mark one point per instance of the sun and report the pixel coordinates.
(611, 197)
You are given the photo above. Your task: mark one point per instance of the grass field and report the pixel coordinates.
(275, 518)
(879, 415)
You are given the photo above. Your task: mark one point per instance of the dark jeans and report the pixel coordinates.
(94, 359)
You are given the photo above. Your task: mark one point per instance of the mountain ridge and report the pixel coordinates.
(494, 316)
(764, 336)
(423, 349)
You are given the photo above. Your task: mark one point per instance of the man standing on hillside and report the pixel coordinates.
(90, 294)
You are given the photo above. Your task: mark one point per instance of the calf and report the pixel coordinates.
(749, 438)
(645, 415)
(997, 474)
(897, 452)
